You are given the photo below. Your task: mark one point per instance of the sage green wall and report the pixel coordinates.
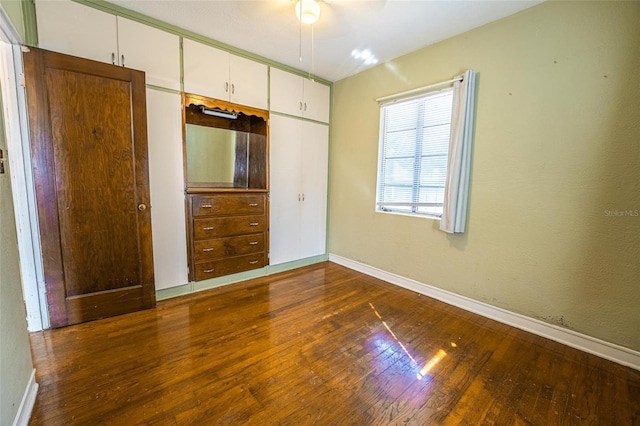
(15, 355)
(13, 8)
(556, 153)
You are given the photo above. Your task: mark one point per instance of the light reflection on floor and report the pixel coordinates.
(428, 366)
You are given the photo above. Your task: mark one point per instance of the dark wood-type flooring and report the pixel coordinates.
(321, 345)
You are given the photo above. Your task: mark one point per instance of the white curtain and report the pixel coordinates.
(456, 192)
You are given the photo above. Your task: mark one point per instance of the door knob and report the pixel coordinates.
(142, 207)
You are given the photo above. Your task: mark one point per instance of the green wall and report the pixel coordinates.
(13, 8)
(15, 355)
(556, 164)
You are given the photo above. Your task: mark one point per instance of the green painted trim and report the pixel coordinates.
(163, 89)
(228, 279)
(168, 293)
(297, 117)
(197, 286)
(181, 41)
(274, 269)
(30, 22)
(138, 17)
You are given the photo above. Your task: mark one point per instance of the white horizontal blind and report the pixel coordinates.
(413, 154)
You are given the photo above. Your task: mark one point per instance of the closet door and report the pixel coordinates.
(89, 146)
(285, 189)
(298, 188)
(314, 161)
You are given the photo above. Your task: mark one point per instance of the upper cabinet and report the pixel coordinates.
(75, 29)
(295, 95)
(218, 74)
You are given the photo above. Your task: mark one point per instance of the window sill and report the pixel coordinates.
(420, 216)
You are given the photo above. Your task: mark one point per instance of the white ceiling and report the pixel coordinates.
(386, 28)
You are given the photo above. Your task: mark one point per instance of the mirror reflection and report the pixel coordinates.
(216, 157)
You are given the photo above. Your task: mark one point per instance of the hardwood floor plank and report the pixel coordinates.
(321, 345)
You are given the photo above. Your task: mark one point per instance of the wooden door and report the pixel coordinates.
(89, 152)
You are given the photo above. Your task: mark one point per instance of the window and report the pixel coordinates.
(414, 148)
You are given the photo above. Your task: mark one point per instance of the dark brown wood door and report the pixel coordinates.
(89, 152)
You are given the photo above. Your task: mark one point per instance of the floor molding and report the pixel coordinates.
(26, 405)
(601, 348)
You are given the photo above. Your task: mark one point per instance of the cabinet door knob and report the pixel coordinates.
(205, 206)
(253, 204)
(226, 87)
(233, 88)
(305, 106)
(142, 207)
(254, 224)
(122, 60)
(113, 58)
(207, 249)
(207, 228)
(253, 262)
(253, 243)
(208, 271)
(300, 106)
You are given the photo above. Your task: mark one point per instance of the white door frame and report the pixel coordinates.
(14, 113)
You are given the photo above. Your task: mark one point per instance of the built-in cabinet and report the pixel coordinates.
(298, 207)
(273, 214)
(75, 29)
(298, 96)
(218, 74)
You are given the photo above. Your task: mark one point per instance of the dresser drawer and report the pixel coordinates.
(207, 228)
(228, 204)
(230, 246)
(232, 265)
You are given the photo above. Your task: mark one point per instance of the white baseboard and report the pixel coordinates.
(601, 348)
(26, 405)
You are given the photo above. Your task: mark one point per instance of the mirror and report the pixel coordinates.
(217, 157)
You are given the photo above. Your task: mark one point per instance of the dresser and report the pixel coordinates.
(228, 232)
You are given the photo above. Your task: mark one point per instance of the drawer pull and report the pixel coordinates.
(253, 243)
(205, 206)
(208, 271)
(208, 228)
(254, 224)
(208, 249)
(253, 262)
(253, 204)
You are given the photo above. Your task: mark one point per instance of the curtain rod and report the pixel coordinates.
(418, 91)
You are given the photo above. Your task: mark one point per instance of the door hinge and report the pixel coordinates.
(21, 80)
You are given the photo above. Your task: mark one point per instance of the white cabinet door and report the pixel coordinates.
(151, 50)
(285, 185)
(249, 82)
(164, 124)
(294, 95)
(78, 30)
(217, 74)
(286, 92)
(298, 188)
(206, 70)
(314, 161)
(316, 101)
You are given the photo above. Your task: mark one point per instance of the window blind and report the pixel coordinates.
(413, 154)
